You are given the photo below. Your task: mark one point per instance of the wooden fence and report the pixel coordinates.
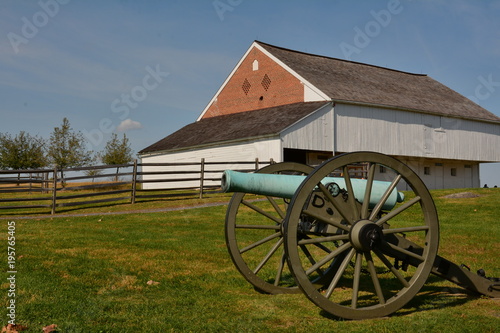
(51, 189)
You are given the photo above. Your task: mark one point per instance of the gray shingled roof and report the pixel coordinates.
(355, 82)
(250, 124)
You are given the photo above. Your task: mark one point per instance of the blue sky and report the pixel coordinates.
(147, 68)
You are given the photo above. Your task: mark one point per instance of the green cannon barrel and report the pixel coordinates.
(285, 186)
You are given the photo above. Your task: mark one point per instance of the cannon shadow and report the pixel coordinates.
(430, 297)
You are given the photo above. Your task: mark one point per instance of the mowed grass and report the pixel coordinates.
(170, 272)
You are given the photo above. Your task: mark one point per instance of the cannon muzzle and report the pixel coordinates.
(285, 186)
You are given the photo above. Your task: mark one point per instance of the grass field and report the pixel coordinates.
(170, 272)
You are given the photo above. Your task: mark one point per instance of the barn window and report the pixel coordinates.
(427, 170)
(266, 82)
(382, 169)
(468, 166)
(454, 172)
(246, 86)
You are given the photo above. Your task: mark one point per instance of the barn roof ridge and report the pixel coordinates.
(338, 59)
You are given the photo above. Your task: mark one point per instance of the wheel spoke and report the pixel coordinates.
(355, 283)
(368, 190)
(405, 230)
(394, 271)
(260, 211)
(323, 239)
(279, 271)
(326, 220)
(398, 210)
(262, 241)
(317, 244)
(329, 257)
(254, 226)
(351, 198)
(406, 252)
(276, 207)
(375, 280)
(268, 256)
(384, 198)
(339, 273)
(311, 260)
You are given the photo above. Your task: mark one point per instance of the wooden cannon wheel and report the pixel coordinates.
(386, 256)
(254, 235)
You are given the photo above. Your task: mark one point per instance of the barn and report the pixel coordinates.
(288, 105)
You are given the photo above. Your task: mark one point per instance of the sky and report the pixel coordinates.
(148, 68)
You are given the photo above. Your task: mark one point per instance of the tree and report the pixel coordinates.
(67, 148)
(22, 151)
(116, 151)
(93, 173)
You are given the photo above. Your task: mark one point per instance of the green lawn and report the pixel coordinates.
(170, 272)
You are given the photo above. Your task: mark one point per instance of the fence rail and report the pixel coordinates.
(54, 188)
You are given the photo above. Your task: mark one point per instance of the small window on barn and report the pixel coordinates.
(427, 170)
(255, 65)
(382, 169)
(468, 166)
(454, 172)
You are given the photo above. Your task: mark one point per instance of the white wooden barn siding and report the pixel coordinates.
(403, 133)
(440, 175)
(420, 141)
(314, 132)
(263, 149)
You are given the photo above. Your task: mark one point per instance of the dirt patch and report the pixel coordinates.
(461, 195)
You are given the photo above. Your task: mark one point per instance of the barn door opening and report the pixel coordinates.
(295, 155)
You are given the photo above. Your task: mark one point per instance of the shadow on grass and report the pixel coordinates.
(430, 297)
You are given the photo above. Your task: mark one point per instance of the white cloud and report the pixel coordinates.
(128, 124)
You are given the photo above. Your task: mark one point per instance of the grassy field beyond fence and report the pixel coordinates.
(170, 272)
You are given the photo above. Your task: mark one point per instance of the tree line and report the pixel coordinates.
(65, 148)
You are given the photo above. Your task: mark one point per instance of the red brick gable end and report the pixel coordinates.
(259, 82)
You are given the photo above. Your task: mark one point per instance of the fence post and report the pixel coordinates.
(54, 191)
(202, 176)
(134, 181)
(256, 163)
(44, 181)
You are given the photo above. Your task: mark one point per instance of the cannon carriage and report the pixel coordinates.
(350, 241)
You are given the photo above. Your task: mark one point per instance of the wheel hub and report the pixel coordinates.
(365, 235)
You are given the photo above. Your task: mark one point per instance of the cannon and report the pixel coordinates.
(349, 240)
